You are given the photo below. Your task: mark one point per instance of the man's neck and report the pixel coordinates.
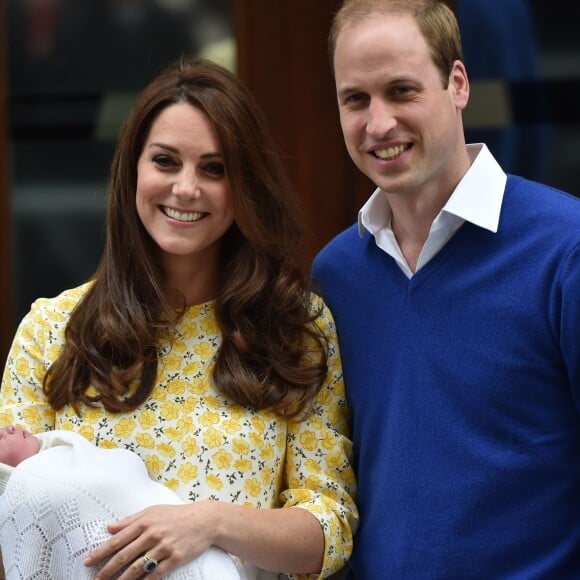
(413, 214)
(411, 223)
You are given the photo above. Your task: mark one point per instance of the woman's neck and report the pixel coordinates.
(194, 283)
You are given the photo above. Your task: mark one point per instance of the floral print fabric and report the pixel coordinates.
(191, 438)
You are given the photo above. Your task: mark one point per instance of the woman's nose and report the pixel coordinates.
(186, 185)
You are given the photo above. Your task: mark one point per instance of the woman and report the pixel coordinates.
(198, 345)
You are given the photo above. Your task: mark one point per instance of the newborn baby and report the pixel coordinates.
(59, 492)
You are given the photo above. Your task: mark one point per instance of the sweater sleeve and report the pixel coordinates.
(570, 320)
(319, 473)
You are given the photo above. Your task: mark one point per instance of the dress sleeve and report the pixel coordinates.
(22, 400)
(318, 468)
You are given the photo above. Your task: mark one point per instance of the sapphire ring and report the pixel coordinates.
(149, 564)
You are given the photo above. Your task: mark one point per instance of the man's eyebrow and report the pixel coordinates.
(400, 80)
(347, 90)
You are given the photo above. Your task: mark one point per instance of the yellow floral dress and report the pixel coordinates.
(191, 438)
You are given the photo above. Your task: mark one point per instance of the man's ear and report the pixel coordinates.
(459, 84)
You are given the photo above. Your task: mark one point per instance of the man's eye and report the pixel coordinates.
(215, 168)
(403, 91)
(355, 99)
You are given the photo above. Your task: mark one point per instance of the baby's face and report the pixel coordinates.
(16, 445)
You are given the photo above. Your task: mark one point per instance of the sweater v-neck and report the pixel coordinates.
(408, 285)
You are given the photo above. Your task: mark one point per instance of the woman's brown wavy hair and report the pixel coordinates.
(273, 353)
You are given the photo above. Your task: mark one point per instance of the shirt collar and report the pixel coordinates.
(476, 199)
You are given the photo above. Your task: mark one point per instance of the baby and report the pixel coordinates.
(16, 445)
(59, 492)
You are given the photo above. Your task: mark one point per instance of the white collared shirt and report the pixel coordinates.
(476, 199)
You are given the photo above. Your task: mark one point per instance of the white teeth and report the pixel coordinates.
(391, 152)
(183, 216)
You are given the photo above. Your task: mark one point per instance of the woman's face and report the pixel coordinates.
(183, 193)
(16, 445)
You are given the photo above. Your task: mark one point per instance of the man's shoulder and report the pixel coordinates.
(553, 196)
(349, 232)
(344, 242)
(547, 206)
(341, 260)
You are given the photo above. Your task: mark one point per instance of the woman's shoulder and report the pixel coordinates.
(317, 304)
(64, 302)
(322, 313)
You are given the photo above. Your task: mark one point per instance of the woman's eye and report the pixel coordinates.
(163, 160)
(216, 168)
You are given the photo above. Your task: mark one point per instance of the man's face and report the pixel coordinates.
(16, 445)
(401, 126)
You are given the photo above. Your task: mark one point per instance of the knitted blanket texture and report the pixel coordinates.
(57, 504)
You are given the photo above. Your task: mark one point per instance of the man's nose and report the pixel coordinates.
(381, 118)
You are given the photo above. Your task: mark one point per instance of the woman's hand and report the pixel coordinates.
(272, 539)
(173, 535)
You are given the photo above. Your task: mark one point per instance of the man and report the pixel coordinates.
(457, 303)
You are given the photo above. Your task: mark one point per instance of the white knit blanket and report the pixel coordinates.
(56, 505)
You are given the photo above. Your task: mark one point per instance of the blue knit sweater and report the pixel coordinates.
(464, 389)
